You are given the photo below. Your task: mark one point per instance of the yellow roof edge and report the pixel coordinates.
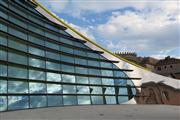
(68, 26)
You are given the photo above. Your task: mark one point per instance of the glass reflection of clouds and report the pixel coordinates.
(38, 101)
(68, 78)
(82, 90)
(69, 89)
(37, 87)
(54, 88)
(18, 102)
(110, 100)
(84, 100)
(37, 75)
(70, 100)
(3, 86)
(3, 103)
(53, 77)
(55, 100)
(97, 99)
(17, 87)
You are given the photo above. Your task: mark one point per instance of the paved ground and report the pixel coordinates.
(100, 112)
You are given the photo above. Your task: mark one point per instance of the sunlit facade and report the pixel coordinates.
(41, 65)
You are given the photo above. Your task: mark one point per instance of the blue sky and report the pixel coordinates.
(149, 28)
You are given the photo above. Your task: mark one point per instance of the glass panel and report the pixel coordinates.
(52, 36)
(17, 21)
(3, 55)
(67, 59)
(107, 81)
(110, 99)
(67, 68)
(83, 80)
(95, 90)
(36, 75)
(17, 33)
(80, 61)
(94, 80)
(3, 70)
(3, 14)
(37, 87)
(35, 29)
(78, 44)
(119, 74)
(52, 45)
(94, 72)
(17, 45)
(38, 101)
(129, 82)
(106, 64)
(36, 62)
(107, 72)
(3, 86)
(17, 87)
(84, 100)
(3, 103)
(36, 51)
(123, 91)
(97, 99)
(3, 40)
(122, 99)
(109, 90)
(54, 88)
(17, 72)
(120, 82)
(80, 52)
(3, 27)
(70, 100)
(55, 101)
(18, 102)
(67, 50)
(52, 55)
(83, 90)
(68, 78)
(69, 89)
(52, 66)
(93, 63)
(53, 77)
(93, 55)
(16, 58)
(64, 40)
(35, 40)
(81, 70)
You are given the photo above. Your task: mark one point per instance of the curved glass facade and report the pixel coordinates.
(43, 66)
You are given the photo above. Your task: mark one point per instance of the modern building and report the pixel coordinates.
(46, 63)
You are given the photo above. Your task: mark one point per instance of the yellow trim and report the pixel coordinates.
(78, 33)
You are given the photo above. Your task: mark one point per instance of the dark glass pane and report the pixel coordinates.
(37, 87)
(93, 63)
(51, 55)
(17, 33)
(94, 71)
(3, 103)
(84, 100)
(67, 68)
(17, 72)
(35, 40)
(52, 36)
(55, 101)
(38, 101)
(3, 55)
(70, 100)
(35, 29)
(3, 27)
(80, 61)
(3, 40)
(97, 99)
(3, 70)
(17, 21)
(120, 82)
(67, 50)
(93, 55)
(52, 45)
(17, 45)
(64, 40)
(80, 52)
(16, 58)
(18, 102)
(3, 86)
(17, 87)
(67, 59)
